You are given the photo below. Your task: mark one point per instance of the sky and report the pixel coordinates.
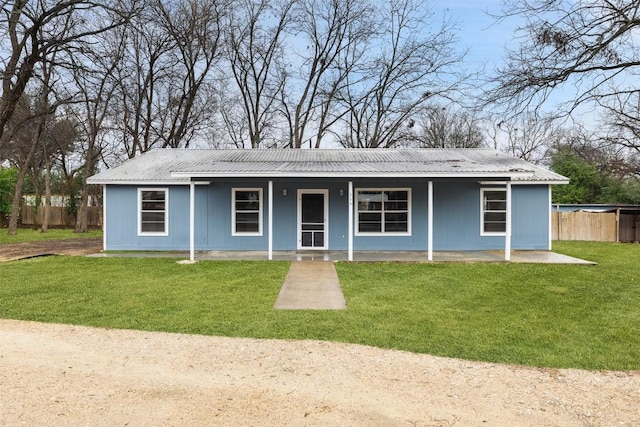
(478, 31)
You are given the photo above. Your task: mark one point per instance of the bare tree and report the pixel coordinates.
(414, 66)
(587, 47)
(164, 96)
(195, 28)
(35, 29)
(528, 137)
(95, 80)
(334, 35)
(255, 53)
(442, 127)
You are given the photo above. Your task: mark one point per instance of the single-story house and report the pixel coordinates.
(328, 200)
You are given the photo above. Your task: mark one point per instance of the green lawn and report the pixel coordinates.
(539, 315)
(29, 235)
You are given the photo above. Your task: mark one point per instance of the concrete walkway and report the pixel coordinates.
(311, 285)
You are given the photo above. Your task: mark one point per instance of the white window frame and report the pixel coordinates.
(166, 212)
(382, 233)
(233, 212)
(482, 211)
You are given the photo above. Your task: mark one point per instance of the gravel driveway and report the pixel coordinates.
(69, 375)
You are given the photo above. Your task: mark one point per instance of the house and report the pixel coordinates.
(339, 200)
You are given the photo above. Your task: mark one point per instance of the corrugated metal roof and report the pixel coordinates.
(179, 166)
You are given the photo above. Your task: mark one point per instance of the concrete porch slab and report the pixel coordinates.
(534, 257)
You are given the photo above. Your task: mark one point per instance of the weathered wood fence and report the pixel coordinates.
(58, 217)
(596, 226)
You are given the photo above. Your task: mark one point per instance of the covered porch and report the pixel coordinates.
(531, 257)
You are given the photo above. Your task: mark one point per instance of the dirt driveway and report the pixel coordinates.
(80, 246)
(69, 375)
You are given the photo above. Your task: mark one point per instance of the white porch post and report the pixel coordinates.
(507, 237)
(270, 224)
(430, 221)
(551, 219)
(192, 220)
(350, 240)
(104, 217)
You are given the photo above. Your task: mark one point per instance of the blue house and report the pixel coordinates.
(327, 200)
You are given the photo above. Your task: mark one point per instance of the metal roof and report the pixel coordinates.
(176, 166)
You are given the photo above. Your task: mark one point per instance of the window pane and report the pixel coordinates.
(152, 227)
(396, 206)
(396, 195)
(153, 195)
(384, 211)
(495, 211)
(495, 222)
(153, 209)
(495, 205)
(247, 211)
(495, 227)
(370, 222)
(369, 200)
(152, 217)
(495, 195)
(247, 200)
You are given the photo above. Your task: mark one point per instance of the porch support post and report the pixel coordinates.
(430, 221)
(550, 219)
(104, 217)
(507, 237)
(270, 226)
(192, 221)
(350, 240)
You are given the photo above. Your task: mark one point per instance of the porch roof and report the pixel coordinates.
(180, 166)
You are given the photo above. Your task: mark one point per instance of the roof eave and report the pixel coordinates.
(244, 174)
(134, 182)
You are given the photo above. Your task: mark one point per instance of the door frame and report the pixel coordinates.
(325, 193)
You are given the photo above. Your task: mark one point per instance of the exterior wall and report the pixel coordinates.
(456, 217)
(531, 217)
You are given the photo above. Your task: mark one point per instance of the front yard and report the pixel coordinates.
(538, 315)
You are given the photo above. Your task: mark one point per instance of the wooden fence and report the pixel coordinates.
(58, 217)
(597, 226)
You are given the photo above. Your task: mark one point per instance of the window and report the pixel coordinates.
(493, 211)
(383, 211)
(153, 208)
(247, 211)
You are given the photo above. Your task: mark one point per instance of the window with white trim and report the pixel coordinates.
(493, 211)
(246, 211)
(383, 211)
(153, 211)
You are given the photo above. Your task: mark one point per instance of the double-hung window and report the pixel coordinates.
(383, 211)
(493, 211)
(246, 212)
(153, 211)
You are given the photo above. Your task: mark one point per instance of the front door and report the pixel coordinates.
(312, 219)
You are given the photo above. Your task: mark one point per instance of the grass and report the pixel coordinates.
(29, 235)
(539, 315)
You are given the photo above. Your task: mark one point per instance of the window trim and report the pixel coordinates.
(483, 190)
(383, 233)
(234, 232)
(166, 212)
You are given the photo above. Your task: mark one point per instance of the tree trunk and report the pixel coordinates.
(47, 195)
(82, 217)
(17, 193)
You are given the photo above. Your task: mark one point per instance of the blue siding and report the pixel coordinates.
(531, 216)
(456, 217)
